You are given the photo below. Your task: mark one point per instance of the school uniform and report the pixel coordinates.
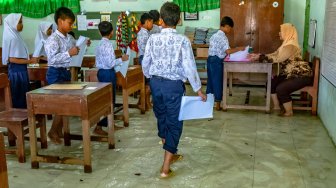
(105, 62)
(14, 46)
(169, 62)
(219, 43)
(56, 48)
(155, 29)
(41, 35)
(142, 38)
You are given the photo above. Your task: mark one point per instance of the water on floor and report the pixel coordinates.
(237, 148)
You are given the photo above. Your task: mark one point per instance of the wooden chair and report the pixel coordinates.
(16, 121)
(3, 164)
(311, 90)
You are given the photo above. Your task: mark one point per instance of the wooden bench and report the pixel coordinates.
(16, 121)
(311, 90)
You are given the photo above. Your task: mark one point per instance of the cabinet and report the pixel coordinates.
(256, 23)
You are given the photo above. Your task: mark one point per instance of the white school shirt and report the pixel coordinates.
(41, 35)
(57, 47)
(169, 55)
(105, 57)
(219, 43)
(155, 29)
(142, 38)
(12, 42)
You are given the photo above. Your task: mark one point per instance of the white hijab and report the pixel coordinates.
(12, 42)
(41, 34)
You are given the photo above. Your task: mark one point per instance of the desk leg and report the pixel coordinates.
(125, 107)
(87, 146)
(142, 98)
(110, 118)
(33, 142)
(268, 94)
(230, 83)
(224, 89)
(74, 74)
(66, 131)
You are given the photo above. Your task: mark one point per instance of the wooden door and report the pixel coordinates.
(257, 23)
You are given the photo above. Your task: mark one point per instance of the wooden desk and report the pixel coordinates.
(88, 104)
(3, 164)
(247, 67)
(38, 73)
(133, 82)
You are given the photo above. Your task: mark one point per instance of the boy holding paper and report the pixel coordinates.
(105, 62)
(60, 47)
(169, 61)
(219, 47)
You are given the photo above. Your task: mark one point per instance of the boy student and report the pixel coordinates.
(142, 38)
(156, 21)
(169, 61)
(219, 47)
(105, 62)
(60, 47)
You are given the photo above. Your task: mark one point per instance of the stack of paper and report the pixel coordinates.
(240, 56)
(77, 60)
(192, 107)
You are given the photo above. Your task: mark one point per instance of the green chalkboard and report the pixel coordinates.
(93, 34)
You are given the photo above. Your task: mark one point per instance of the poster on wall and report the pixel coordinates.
(81, 22)
(92, 23)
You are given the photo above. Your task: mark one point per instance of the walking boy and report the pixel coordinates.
(169, 61)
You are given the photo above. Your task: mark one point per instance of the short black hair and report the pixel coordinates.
(226, 20)
(105, 28)
(144, 17)
(155, 15)
(64, 13)
(170, 13)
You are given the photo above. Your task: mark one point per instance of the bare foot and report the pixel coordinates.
(176, 157)
(53, 136)
(99, 131)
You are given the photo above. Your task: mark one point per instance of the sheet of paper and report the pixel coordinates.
(239, 56)
(76, 61)
(124, 66)
(92, 23)
(81, 22)
(192, 107)
(38, 49)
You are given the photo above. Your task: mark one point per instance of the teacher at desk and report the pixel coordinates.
(292, 73)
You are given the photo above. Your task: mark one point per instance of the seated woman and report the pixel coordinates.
(292, 73)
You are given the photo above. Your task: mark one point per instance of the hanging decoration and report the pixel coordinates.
(122, 32)
(134, 29)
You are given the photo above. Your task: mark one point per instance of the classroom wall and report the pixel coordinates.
(327, 92)
(210, 18)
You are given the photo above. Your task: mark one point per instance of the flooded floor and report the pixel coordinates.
(237, 148)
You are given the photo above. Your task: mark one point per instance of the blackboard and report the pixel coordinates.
(94, 34)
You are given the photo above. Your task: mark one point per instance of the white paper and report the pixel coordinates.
(81, 22)
(38, 49)
(92, 23)
(91, 88)
(124, 66)
(76, 61)
(192, 107)
(240, 55)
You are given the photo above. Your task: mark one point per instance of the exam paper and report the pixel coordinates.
(239, 56)
(124, 66)
(76, 61)
(192, 107)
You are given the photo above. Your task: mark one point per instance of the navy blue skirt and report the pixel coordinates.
(19, 82)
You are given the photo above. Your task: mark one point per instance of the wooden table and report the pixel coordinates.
(38, 73)
(90, 104)
(133, 82)
(247, 67)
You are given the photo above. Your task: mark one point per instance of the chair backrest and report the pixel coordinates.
(5, 88)
(316, 70)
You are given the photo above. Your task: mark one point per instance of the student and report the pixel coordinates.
(105, 62)
(15, 54)
(43, 32)
(156, 22)
(60, 47)
(142, 38)
(143, 35)
(168, 62)
(219, 47)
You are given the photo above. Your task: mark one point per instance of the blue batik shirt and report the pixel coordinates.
(219, 43)
(169, 55)
(142, 38)
(105, 56)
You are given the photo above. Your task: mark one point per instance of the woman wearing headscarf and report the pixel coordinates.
(43, 32)
(15, 55)
(292, 73)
